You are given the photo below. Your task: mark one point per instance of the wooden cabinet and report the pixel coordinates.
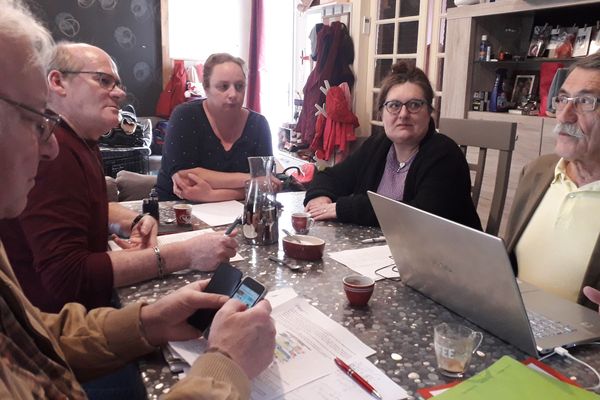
(508, 24)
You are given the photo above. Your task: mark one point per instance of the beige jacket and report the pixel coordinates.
(533, 183)
(76, 345)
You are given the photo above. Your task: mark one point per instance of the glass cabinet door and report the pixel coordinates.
(409, 30)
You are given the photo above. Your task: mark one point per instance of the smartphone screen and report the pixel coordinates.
(250, 292)
(224, 281)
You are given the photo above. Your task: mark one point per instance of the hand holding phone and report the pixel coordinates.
(224, 281)
(250, 292)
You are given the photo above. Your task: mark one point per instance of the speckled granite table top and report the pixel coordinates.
(398, 322)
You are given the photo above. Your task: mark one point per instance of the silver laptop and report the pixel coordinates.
(469, 272)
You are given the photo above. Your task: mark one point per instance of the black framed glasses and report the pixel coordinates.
(106, 81)
(412, 106)
(581, 103)
(49, 119)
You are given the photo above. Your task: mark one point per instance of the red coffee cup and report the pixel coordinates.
(183, 214)
(358, 289)
(302, 222)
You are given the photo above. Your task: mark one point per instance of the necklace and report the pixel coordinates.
(402, 164)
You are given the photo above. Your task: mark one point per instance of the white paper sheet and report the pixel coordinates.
(217, 214)
(177, 237)
(307, 342)
(338, 385)
(367, 260)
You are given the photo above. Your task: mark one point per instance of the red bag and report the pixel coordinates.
(174, 92)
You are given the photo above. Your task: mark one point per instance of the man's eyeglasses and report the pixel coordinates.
(49, 119)
(106, 81)
(581, 103)
(412, 106)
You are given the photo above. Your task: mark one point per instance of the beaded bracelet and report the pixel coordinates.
(161, 263)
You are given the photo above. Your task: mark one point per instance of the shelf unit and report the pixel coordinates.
(508, 24)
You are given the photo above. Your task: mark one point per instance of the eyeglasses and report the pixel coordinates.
(581, 103)
(49, 119)
(412, 106)
(106, 81)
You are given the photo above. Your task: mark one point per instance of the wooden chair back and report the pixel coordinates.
(481, 136)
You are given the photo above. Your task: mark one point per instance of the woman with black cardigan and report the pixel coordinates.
(411, 162)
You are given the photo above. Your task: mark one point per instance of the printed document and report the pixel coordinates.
(306, 343)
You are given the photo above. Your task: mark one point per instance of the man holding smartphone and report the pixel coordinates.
(43, 354)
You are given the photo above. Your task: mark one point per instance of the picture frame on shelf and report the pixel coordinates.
(582, 42)
(524, 85)
(539, 40)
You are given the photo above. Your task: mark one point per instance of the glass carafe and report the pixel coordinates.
(261, 210)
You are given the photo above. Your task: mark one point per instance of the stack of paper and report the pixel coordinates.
(306, 344)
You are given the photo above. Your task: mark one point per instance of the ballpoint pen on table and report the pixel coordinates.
(357, 378)
(374, 240)
(231, 227)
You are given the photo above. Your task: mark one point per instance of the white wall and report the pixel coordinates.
(198, 28)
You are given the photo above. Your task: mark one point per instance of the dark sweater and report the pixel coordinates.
(191, 143)
(438, 181)
(58, 245)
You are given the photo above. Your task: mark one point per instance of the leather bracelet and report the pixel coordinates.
(218, 350)
(136, 220)
(161, 263)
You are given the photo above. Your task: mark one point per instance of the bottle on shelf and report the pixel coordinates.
(498, 101)
(483, 48)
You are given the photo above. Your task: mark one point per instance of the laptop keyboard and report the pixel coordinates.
(544, 327)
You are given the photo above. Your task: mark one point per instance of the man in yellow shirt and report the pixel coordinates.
(45, 356)
(554, 225)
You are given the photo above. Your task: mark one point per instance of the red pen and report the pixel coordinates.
(357, 378)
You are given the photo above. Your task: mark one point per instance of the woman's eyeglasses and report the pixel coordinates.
(106, 81)
(49, 119)
(412, 106)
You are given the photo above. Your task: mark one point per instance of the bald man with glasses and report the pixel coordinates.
(553, 232)
(59, 244)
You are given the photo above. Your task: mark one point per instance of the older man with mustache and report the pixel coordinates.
(554, 225)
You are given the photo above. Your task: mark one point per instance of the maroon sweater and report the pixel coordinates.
(58, 245)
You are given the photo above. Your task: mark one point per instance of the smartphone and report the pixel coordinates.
(250, 292)
(225, 281)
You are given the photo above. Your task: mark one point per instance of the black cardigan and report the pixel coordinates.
(438, 181)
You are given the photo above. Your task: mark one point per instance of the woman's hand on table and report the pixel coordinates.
(190, 187)
(321, 208)
(166, 319)
(205, 252)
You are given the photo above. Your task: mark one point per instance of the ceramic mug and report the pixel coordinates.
(358, 289)
(183, 214)
(302, 222)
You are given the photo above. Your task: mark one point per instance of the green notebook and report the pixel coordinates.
(509, 379)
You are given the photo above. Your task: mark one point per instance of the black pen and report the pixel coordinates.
(231, 227)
